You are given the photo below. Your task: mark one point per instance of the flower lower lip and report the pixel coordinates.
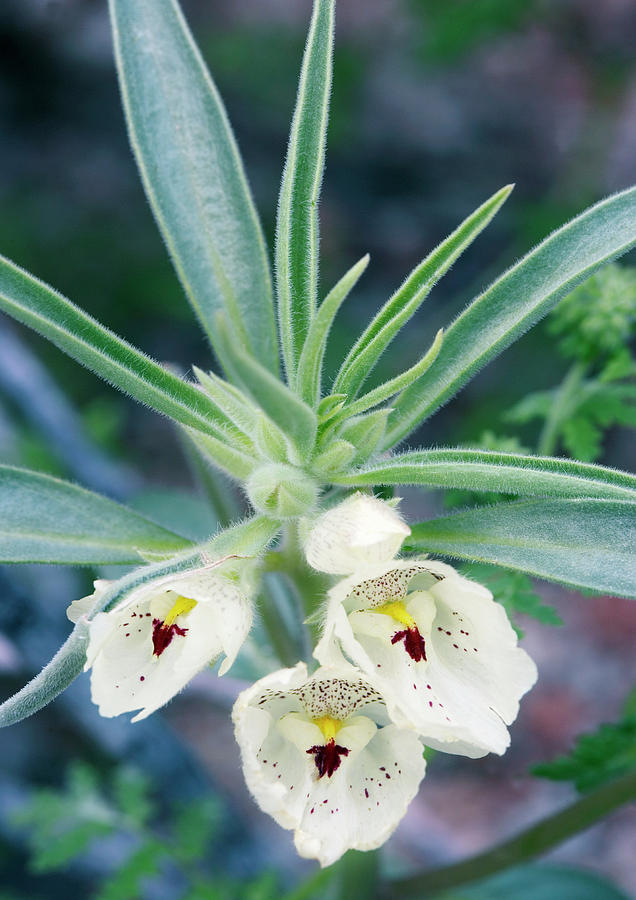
(327, 757)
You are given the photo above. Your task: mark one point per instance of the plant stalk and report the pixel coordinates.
(525, 846)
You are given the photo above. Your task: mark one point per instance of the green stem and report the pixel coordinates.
(527, 845)
(312, 887)
(560, 409)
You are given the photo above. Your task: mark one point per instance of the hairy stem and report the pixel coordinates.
(525, 846)
(565, 396)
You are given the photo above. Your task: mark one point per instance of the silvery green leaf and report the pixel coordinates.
(515, 302)
(310, 362)
(46, 520)
(397, 311)
(37, 305)
(582, 543)
(280, 403)
(365, 432)
(297, 224)
(488, 470)
(193, 175)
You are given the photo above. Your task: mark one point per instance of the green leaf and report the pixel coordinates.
(390, 388)
(297, 223)
(281, 404)
(596, 758)
(193, 175)
(54, 678)
(310, 362)
(365, 433)
(45, 520)
(515, 302)
(538, 883)
(510, 473)
(37, 305)
(581, 543)
(409, 297)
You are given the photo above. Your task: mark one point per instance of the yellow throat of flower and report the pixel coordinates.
(329, 726)
(181, 606)
(397, 611)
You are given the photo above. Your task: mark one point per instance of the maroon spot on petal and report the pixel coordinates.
(327, 757)
(413, 642)
(366, 793)
(162, 636)
(142, 677)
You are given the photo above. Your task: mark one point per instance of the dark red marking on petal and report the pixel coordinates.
(413, 643)
(162, 636)
(327, 757)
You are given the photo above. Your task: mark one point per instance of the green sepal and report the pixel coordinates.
(335, 458)
(365, 433)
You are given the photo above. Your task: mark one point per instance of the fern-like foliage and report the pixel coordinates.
(598, 757)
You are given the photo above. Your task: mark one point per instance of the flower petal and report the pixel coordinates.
(359, 801)
(461, 695)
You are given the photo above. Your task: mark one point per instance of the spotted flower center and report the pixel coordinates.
(164, 630)
(327, 755)
(413, 641)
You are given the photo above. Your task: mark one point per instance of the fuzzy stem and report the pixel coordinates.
(525, 846)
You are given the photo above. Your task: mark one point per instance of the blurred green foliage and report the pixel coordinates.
(598, 757)
(64, 826)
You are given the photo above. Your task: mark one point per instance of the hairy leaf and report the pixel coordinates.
(509, 473)
(310, 362)
(515, 302)
(297, 224)
(582, 543)
(46, 520)
(193, 175)
(37, 305)
(397, 311)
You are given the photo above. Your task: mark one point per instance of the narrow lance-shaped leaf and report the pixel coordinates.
(310, 363)
(397, 311)
(487, 470)
(46, 520)
(37, 305)
(281, 404)
(193, 175)
(390, 388)
(515, 302)
(297, 223)
(583, 543)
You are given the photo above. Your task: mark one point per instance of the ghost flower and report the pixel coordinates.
(437, 646)
(361, 530)
(146, 649)
(321, 756)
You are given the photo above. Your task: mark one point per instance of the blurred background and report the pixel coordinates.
(437, 103)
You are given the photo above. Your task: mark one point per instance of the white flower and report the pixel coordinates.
(437, 646)
(150, 645)
(360, 531)
(320, 757)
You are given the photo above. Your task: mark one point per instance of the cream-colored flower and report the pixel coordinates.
(321, 756)
(360, 531)
(437, 646)
(146, 649)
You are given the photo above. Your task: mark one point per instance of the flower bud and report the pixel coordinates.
(281, 491)
(360, 531)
